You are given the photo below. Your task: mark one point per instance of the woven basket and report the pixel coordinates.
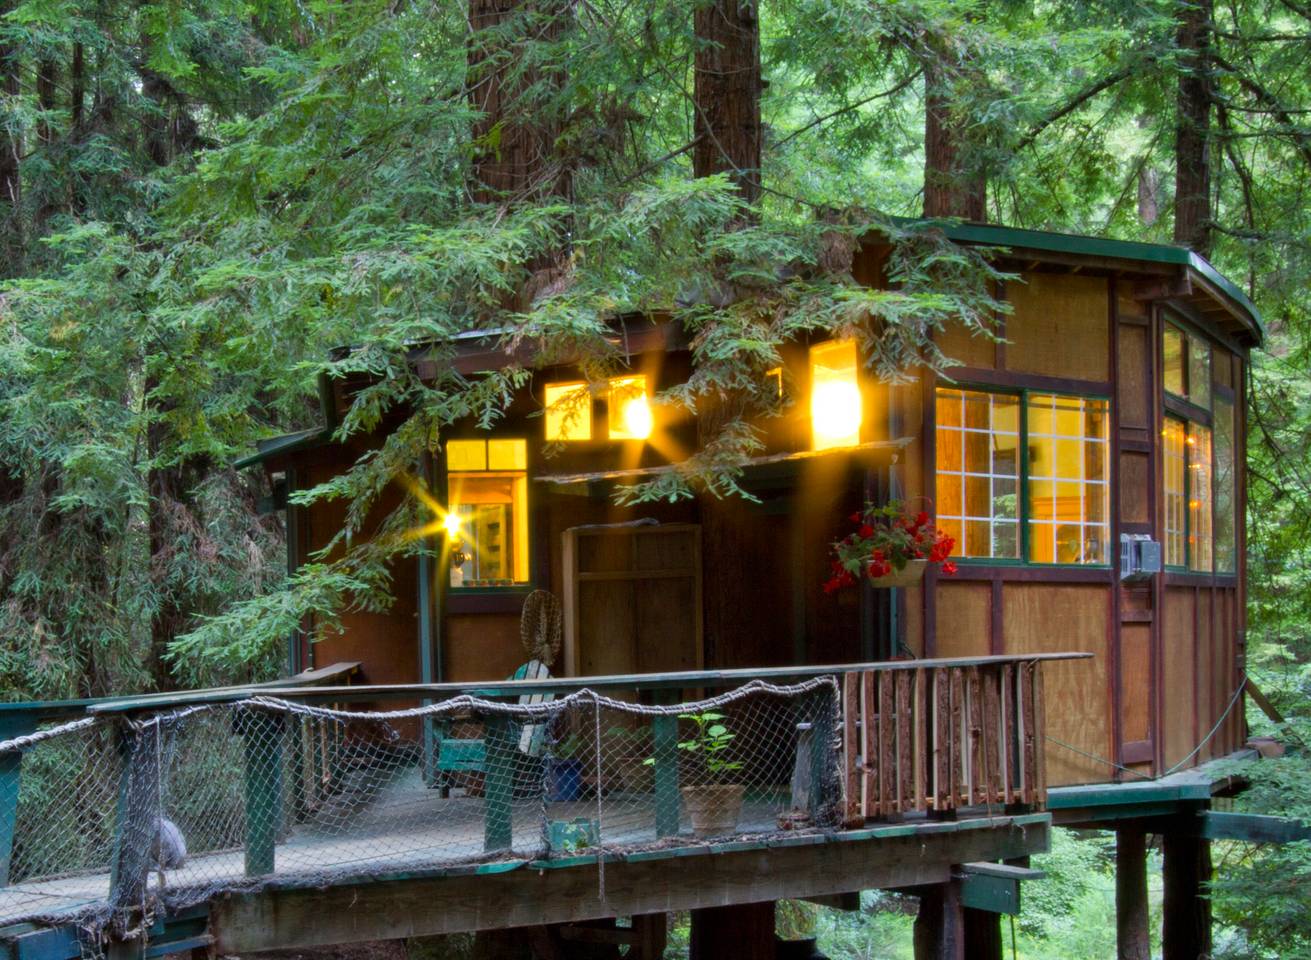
(909, 575)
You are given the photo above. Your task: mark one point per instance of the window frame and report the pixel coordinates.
(521, 587)
(1022, 393)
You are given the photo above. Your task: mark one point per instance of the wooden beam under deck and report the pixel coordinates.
(534, 894)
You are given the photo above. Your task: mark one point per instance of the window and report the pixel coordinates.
(1200, 539)
(835, 400)
(487, 516)
(1069, 489)
(630, 409)
(1173, 360)
(1175, 468)
(1226, 541)
(1186, 366)
(568, 412)
(982, 438)
(978, 441)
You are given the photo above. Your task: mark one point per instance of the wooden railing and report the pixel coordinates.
(941, 736)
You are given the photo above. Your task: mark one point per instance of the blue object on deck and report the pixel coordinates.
(564, 780)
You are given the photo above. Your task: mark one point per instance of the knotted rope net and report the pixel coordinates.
(112, 820)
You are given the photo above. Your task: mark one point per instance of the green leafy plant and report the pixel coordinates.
(711, 743)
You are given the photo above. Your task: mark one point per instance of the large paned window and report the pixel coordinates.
(1226, 540)
(979, 472)
(1069, 488)
(1023, 477)
(1200, 537)
(1175, 468)
(1199, 461)
(487, 512)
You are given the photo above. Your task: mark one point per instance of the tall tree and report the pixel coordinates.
(1192, 145)
(727, 87)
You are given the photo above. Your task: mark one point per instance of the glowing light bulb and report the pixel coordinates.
(452, 524)
(638, 420)
(835, 414)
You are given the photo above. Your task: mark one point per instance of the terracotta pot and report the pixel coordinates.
(714, 809)
(909, 575)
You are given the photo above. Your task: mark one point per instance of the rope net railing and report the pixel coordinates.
(116, 817)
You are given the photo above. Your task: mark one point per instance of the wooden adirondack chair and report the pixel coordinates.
(460, 755)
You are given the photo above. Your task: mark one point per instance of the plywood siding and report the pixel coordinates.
(1047, 618)
(966, 347)
(1133, 385)
(482, 646)
(964, 619)
(1179, 700)
(1059, 327)
(1135, 487)
(1135, 679)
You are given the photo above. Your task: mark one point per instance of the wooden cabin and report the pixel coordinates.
(1098, 441)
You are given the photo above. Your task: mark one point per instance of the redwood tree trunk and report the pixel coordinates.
(11, 234)
(1192, 146)
(516, 135)
(727, 93)
(950, 189)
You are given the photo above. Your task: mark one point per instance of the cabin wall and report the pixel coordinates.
(1167, 652)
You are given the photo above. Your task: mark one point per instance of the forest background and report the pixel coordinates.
(199, 199)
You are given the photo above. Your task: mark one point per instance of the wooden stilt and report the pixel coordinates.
(1186, 916)
(1133, 935)
(727, 933)
(982, 934)
(940, 926)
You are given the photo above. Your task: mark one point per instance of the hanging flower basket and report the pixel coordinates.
(908, 576)
(890, 547)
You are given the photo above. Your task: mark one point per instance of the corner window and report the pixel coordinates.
(835, 401)
(1200, 532)
(1174, 469)
(1023, 476)
(1186, 366)
(568, 412)
(487, 512)
(1226, 482)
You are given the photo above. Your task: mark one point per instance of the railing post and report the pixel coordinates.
(137, 814)
(261, 733)
(664, 744)
(11, 771)
(498, 825)
(823, 734)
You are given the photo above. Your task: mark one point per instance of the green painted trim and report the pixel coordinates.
(1050, 241)
(287, 443)
(999, 895)
(1252, 828)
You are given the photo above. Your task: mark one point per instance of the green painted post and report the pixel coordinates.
(498, 825)
(262, 736)
(11, 771)
(664, 743)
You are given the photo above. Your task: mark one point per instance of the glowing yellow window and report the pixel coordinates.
(630, 409)
(568, 411)
(487, 515)
(835, 401)
(1173, 461)
(1173, 359)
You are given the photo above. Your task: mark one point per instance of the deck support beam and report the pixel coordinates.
(1132, 929)
(1186, 916)
(742, 930)
(982, 934)
(525, 895)
(940, 924)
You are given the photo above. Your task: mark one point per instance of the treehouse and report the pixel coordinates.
(1088, 466)
(566, 694)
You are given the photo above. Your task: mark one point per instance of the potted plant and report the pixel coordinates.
(715, 806)
(890, 547)
(573, 836)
